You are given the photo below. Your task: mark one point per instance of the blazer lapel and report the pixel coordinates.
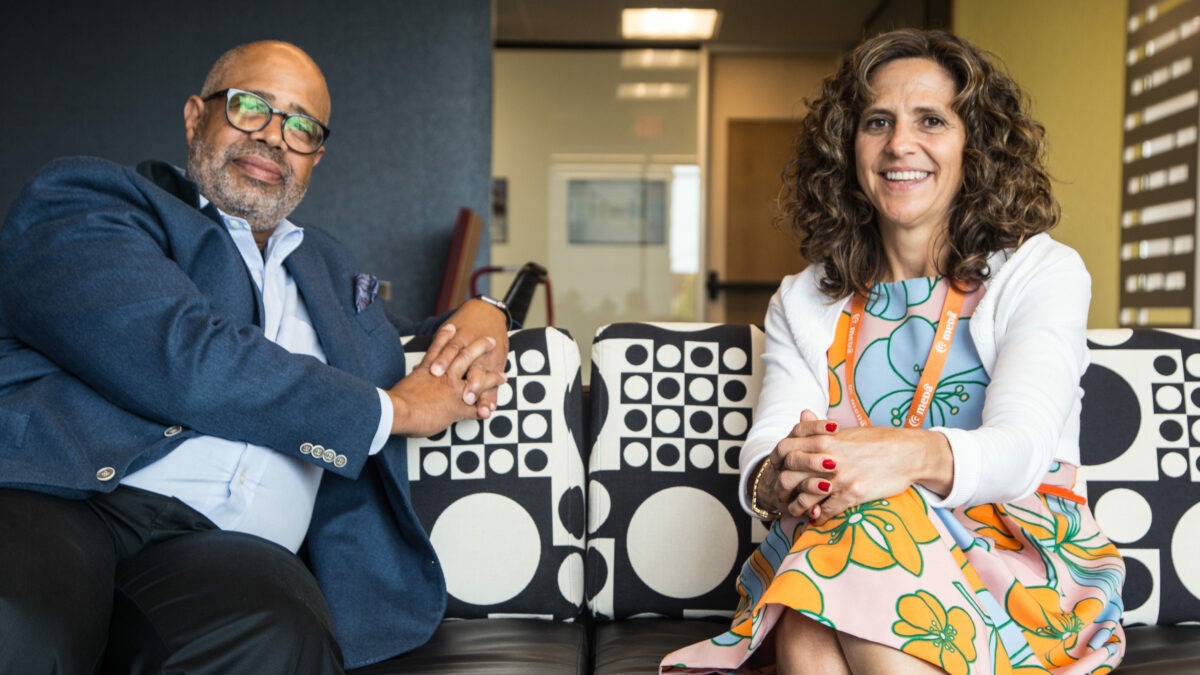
(185, 190)
(328, 304)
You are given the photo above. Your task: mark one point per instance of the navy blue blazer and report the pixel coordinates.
(129, 323)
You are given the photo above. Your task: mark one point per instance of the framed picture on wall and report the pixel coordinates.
(617, 210)
(499, 223)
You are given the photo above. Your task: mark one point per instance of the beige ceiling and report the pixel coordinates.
(793, 25)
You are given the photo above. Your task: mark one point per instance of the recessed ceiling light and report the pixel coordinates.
(660, 59)
(653, 23)
(652, 90)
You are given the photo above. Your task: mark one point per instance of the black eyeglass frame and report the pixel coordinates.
(284, 115)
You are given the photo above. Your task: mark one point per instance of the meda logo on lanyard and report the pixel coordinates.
(918, 416)
(942, 345)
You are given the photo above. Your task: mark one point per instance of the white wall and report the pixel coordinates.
(556, 113)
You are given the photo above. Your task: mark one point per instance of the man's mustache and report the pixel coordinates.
(258, 150)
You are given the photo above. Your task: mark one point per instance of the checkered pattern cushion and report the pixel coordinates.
(1140, 445)
(503, 499)
(670, 408)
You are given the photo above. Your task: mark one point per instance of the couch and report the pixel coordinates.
(595, 533)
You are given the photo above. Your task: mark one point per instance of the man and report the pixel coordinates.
(191, 387)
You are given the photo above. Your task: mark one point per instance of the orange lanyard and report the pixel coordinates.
(934, 363)
(1062, 480)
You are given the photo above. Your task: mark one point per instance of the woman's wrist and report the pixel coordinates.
(937, 466)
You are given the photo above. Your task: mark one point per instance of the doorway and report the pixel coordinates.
(759, 252)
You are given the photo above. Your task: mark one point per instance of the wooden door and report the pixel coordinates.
(759, 249)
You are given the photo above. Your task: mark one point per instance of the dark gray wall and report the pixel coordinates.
(411, 83)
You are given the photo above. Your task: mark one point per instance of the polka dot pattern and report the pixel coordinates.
(503, 498)
(500, 524)
(670, 408)
(1139, 443)
(671, 404)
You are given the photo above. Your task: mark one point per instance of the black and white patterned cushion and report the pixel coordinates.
(1140, 447)
(670, 407)
(503, 499)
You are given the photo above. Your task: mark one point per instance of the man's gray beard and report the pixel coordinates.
(262, 205)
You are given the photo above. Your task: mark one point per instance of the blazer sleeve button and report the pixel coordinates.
(306, 448)
(328, 455)
(172, 430)
(339, 461)
(106, 474)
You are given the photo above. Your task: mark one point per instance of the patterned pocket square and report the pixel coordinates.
(366, 287)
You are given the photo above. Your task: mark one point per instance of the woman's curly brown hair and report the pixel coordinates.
(1005, 195)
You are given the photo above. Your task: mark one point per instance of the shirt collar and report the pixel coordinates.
(286, 230)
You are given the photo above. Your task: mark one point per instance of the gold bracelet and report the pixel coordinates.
(758, 510)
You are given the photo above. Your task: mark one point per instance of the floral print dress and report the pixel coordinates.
(1030, 586)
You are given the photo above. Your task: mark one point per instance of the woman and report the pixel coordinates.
(916, 437)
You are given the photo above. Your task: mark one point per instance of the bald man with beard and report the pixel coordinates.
(193, 387)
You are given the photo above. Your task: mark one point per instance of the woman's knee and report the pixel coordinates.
(803, 645)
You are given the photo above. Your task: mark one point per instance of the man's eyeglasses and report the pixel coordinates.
(250, 112)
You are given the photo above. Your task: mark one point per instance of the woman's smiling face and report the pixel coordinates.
(909, 146)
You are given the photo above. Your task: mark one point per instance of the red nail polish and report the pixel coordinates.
(829, 464)
(823, 486)
(831, 427)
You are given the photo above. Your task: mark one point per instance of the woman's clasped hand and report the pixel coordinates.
(820, 469)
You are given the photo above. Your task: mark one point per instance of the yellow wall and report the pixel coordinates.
(1069, 57)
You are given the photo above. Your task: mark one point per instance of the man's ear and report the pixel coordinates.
(193, 117)
(318, 155)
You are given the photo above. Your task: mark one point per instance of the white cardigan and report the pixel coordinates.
(1030, 331)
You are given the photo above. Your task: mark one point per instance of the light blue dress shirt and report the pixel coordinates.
(239, 486)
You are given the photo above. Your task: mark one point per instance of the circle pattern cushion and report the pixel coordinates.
(502, 499)
(670, 408)
(1140, 448)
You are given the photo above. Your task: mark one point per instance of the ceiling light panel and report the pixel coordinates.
(653, 23)
(659, 59)
(653, 90)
